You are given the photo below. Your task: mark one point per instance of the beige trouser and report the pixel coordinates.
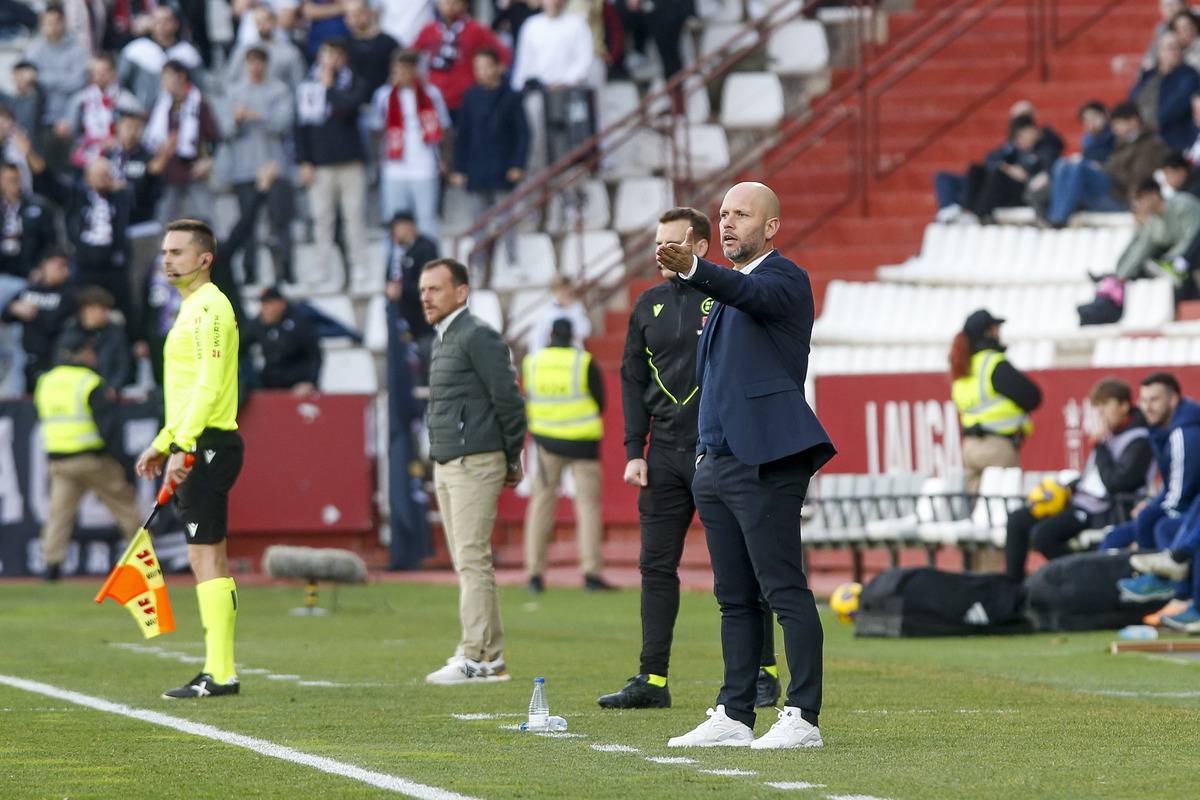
(334, 185)
(987, 451)
(69, 479)
(467, 490)
(543, 500)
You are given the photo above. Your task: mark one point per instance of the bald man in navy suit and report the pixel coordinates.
(760, 444)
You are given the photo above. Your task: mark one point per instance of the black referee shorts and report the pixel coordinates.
(203, 498)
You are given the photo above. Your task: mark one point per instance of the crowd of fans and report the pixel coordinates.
(330, 118)
(1141, 155)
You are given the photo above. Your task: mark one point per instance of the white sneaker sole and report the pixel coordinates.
(760, 745)
(727, 743)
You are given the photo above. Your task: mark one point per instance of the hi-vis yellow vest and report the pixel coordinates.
(558, 402)
(61, 399)
(979, 404)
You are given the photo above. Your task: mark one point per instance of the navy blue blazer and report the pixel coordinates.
(755, 348)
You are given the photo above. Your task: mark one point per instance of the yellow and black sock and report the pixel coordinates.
(656, 680)
(218, 610)
(772, 670)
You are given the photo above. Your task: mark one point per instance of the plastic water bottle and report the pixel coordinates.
(1138, 632)
(539, 707)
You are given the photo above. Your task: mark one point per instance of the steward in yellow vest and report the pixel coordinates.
(77, 411)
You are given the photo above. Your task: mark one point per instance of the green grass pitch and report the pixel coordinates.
(1039, 716)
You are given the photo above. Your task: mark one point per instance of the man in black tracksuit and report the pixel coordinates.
(661, 399)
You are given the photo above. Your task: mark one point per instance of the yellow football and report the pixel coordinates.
(844, 602)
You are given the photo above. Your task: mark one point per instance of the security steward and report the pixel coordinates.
(564, 393)
(200, 366)
(78, 413)
(994, 399)
(661, 400)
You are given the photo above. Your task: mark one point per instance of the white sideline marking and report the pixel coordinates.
(615, 748)
(938, 711)
(853, 797)
(379, 780)
(728, 772)
(1121, 693)
(473, 717)
(794, 785)
(671, 760)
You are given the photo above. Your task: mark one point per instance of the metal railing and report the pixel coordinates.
(844, 124)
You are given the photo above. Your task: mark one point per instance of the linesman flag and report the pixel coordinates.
(136, 582)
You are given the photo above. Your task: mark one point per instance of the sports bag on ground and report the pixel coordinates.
(921, 601)
(1079, 593)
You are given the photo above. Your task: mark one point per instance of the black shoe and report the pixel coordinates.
(638, 693)
(536, 586)
(52, 573)
(203, 685)
(594, 583)
(768, 690)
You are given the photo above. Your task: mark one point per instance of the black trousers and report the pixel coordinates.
(751, 517)
(1048, 536)
(989, 189)
(280, 210)
(665, 510)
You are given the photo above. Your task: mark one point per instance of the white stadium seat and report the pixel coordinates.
(766, 111)
(350, 371)
(593, 256)
(535, 264)
(639, 202)
(798, 47)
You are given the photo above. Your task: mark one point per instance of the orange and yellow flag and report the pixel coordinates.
(136, 582)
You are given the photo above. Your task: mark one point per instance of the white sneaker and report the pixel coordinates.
(459, 669)
(496, 671)
(718, 731)
(1159, 563)
(790, 730)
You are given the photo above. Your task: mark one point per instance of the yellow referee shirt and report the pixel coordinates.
(200, 370)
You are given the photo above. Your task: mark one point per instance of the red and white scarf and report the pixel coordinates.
(431, 126)
(96, 120)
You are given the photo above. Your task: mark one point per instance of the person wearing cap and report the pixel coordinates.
(290, 345)
(993, 398)
(564, 393)
(80, 430)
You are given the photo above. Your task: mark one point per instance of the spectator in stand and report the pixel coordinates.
(1163, 94)
(43, 308)
(138, 167)
(90, 118)
(141, 62)
(284, 62)
(27, 229)
(994, 399)
(16, 18)
(331, 157)
(491, 141)
(1165, 231)
(952, 189)
(404, 19)
(1098, 139)
(564, 392)
(509, 15)
(1167, 10)
(412, 118)
(27, 102)
(17, 149)
(369, 48)
(408, 255)
(290, 345)
(554, 52)
(664, 21)
(1180, 175)
(182, 128)
(1186, 28)
(61, 61)
(258, 119)
(450, 45)
(1001, 181)
(125, 21)
(285, 12)
(1081, 184)
(1116, 474)
(94, 325)
(326, 21)
(97, 225)
(563, 305)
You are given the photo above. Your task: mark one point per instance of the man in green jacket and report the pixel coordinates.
(1165, 230)
(476, 418)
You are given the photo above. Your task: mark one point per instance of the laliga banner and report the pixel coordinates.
(907, 423)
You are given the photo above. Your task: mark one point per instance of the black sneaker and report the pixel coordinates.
(203, 685)
(594, 583)
(52, 573)
(536, 585)
(768, 690)
(638, 693)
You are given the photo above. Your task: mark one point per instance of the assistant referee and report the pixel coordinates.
(200, 366)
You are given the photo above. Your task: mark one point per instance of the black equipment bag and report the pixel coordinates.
(921, 601)
(1079, 593)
